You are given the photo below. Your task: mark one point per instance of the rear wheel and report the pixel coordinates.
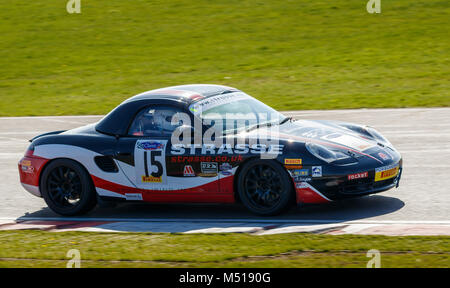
(67, 188)
(264, 187)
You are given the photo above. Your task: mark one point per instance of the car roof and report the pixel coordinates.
(118, 120)
(185, 93)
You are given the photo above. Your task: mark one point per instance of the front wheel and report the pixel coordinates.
(264, 187)
(67, 188)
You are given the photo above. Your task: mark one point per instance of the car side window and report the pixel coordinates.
(154, 121)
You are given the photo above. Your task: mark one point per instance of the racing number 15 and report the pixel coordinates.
(153, 162)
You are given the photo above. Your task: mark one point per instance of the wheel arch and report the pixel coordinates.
(245, 162)
(64, 158)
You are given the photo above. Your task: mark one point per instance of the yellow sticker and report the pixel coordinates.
(386, 173)
(25, 163)
(293, 161)
(151, 179)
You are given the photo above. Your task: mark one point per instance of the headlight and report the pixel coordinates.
(324, 153)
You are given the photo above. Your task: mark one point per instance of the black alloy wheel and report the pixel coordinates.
(265, 187)
(67, 188)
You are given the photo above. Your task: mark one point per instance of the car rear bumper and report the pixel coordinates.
(30, 168)
(34, 190)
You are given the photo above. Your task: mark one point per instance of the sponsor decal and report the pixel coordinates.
(26, 166)
(225, 168)
(384, 156)
(207, 174)
(211, 102)
(133, 196)
(357, 176)
(288, 161)
(386, 172)
(196, 159)
(151, 179)
(293, 167)
(150, 145)
(301, 185)
(209, 167)
(300, 172)
(150, 163)
(25, 163)
(302, 179)
(316, 171)
(300, 175)
(210, 149)
(28, 169)
(188, 171)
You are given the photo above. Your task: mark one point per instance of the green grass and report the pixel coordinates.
(48, 249)
(290, 54)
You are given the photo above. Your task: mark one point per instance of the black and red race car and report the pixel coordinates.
(207, 143)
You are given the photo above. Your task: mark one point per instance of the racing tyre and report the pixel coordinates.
(67, 188)
(264, 187)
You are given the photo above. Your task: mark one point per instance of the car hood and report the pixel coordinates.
(336, 135)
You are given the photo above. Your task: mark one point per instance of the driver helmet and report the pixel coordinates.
(163, 119)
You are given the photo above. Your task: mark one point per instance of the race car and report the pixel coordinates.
(207, 144)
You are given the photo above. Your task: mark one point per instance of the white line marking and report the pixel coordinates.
(67, 121)
(408, 131)
(11, 155)
(23, 132)
(424, 151)
(296, 221)
(428, 166)
(51, 117)
(13, 138)
(416, 126)
(375, 110)
(395, 135)
(295, 112)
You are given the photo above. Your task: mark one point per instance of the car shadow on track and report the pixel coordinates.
(334, 212)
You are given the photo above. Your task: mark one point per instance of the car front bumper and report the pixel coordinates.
(340, 188)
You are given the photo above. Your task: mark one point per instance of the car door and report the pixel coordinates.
(148, 160)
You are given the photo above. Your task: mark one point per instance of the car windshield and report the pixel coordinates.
(234, 112)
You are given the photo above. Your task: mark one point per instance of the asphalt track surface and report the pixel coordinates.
(421, 135)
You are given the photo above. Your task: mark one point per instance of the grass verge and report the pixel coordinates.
(289, 54)
(48, 249)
